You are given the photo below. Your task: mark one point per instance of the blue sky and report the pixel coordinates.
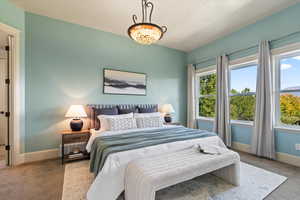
(290, 72)
(246, 77)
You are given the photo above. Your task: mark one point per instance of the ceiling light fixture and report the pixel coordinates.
(146, 32)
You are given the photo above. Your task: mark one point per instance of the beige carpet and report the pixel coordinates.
(256, 184)
(2, 157)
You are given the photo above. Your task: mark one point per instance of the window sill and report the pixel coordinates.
(288, 128)
(237, 122)
(240, 122)
(206, 119)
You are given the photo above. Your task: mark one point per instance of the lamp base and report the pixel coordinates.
(168, 118)
(76, 124)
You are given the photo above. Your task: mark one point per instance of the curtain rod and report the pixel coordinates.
(248, 48)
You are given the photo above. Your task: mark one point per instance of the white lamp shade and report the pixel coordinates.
(167, 108)
(76, 111)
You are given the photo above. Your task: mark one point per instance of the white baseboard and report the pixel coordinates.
(281, 157)
(19, 159)
(288, 158)
(38, 156)
(241, 147)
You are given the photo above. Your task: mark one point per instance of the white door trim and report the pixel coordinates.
(16, 95)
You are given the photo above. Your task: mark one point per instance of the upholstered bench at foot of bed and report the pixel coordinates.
(146, 176)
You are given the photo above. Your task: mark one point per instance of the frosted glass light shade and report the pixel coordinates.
(76, 111)
(167, 108)
(145, 33)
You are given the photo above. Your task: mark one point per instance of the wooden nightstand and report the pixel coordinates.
(69, 137)
(173, 123)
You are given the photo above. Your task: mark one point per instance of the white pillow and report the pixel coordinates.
(148, 120)
(105, 126)
(118, 124)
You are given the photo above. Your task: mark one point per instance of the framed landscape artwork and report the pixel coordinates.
(123, 82)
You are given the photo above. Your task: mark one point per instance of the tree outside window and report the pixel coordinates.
(243, 92)
(207, 99)
(289, 89)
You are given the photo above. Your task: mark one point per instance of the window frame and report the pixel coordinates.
(199, 73)
(242, 63)
(277, 87)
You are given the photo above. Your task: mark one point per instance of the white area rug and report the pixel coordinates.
(256, 184)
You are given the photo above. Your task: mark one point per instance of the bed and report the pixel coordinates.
(111, 151)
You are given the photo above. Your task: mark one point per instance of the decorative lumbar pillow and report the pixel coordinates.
(147, 110)
(121, 124)
(149, 120)
(107, 121)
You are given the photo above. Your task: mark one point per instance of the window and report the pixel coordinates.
(242, 91)
(288, 89)
(206, 91)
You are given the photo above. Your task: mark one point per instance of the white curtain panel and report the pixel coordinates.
(191, 97)
(263, 142)
(222, 121)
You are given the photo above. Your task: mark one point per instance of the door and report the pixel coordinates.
(4, 103)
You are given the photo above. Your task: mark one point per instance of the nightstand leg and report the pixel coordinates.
(62, 149)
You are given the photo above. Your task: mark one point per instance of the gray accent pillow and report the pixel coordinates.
(147, 110)
(104, 111)
(127, 110)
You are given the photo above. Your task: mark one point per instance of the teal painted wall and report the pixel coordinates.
(272, 27)
(15, 17)
(11, 15)
(275, 26)
(240, 133)
(64, 66)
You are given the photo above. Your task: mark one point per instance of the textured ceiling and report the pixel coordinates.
(191, 23)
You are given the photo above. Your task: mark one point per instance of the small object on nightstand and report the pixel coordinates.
(70, 137)
(167, 109)
(76, 112)
(76, 151)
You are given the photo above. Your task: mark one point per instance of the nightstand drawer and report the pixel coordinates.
(76, 138)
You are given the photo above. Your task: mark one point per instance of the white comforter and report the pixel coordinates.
(109, 183)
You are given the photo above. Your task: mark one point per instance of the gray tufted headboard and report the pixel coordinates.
(93, 120)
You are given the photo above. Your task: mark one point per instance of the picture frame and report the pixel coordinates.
(121, 82)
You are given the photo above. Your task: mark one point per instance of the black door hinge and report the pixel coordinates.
(7, 48)
(7, 147)
(7, 114)
(7, 81)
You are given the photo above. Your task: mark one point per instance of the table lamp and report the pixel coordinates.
(167, 109)
(76, 112)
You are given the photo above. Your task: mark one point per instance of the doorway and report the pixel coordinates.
(4, 99)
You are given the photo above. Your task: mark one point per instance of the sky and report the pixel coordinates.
(246, 77)
(290, 72)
